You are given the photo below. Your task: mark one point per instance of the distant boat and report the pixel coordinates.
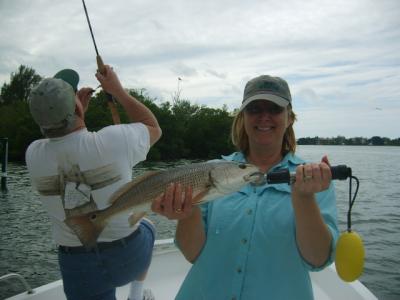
(169, 268)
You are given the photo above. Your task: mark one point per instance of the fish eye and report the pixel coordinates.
(242, 166)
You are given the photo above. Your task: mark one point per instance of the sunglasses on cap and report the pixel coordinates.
(259, 107)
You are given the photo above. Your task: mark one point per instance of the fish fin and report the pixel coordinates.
(126, 187)
(87, 227)
(198, 199)
(134, 218)
(81, 210)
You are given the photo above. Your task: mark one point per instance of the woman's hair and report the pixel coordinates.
(241, 140)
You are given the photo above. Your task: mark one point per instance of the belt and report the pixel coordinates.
(99, 246)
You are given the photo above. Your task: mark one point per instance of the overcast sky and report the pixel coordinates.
(341, 58)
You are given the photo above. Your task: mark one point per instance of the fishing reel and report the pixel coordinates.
(350, 254)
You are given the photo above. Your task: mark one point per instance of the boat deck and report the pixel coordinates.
(168, 269)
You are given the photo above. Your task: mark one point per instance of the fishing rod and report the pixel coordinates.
(350, 253)
(340, 172)
(101, 68)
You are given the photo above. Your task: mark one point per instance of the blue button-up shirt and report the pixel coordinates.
(251, 250)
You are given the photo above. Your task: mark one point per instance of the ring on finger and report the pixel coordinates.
(307, 177)
(178, 210)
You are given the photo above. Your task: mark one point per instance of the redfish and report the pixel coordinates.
(209, 181)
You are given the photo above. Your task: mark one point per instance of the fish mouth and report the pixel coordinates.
(256, 178)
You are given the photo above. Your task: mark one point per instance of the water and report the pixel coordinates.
(376, 212)
(27, 248)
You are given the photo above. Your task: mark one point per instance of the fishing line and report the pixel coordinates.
(351, 201)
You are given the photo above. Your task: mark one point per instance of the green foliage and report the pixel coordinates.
(377, 141)
(356, 141)
(18, 125)
(208, 133)
(16, 121)
(98, 114)
(189, 130)
(20, 85)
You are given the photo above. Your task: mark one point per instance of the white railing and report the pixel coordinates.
(20, 279)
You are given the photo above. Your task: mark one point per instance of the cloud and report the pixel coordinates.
(216, 74)
(341, 58)
(184, 70)
(307, 97)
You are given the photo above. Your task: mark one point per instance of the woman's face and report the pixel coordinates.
(265, 123)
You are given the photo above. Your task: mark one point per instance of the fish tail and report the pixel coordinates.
(87, 227)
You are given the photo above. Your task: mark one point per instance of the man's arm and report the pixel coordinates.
(136, 110)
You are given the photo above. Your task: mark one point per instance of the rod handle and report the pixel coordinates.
(110, 101)
(278, 176)
(339, 172)
(100, 65)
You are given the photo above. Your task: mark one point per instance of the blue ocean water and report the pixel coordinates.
(27, 248)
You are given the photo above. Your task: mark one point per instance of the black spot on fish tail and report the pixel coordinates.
(87, 228)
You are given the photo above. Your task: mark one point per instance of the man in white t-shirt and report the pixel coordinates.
(76, 171)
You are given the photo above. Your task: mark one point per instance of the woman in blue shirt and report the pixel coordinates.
(260, 242)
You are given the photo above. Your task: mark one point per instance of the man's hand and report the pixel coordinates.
(109, 81)
(84, 96)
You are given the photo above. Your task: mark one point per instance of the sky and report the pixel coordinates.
(340, 58)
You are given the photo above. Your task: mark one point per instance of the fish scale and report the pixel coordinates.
(153, 186)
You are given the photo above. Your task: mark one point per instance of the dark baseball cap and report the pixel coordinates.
(265, 87)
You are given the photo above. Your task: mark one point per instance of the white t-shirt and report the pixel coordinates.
(70, 170)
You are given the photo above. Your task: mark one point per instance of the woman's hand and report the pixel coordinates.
(312, 234)
(175, 203)
(312, 178)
